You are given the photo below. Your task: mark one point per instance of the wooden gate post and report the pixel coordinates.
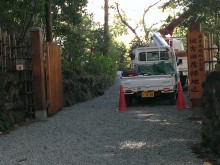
(195, 39)
(39, 93)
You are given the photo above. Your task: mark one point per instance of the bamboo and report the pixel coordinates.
(14, 44)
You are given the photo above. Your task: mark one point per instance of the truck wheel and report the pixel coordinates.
(128, 99)
(172, 99)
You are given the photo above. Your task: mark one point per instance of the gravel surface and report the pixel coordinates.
(94, 133)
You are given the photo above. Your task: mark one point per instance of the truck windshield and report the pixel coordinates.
(153, 56)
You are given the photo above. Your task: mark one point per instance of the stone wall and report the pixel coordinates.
(12, 107)
(211, 118)
(84, 87)
(12, 99)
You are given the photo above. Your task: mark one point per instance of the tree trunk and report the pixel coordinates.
(48, 21)
(106, 29)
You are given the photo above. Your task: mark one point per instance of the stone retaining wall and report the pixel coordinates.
(12, 107)
(84, 87)
(211, 118)
(12, 98)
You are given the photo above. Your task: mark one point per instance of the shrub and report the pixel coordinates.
(99, 64)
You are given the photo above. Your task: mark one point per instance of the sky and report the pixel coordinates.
(134, 10)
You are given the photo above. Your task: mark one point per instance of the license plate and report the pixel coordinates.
(148, 94)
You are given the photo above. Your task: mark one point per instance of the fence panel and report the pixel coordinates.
(16, 58)
(54, 89)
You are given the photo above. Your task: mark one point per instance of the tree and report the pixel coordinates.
(138, 39)
(18, 16)
(207, 12)
(48, 21)
(80, 38)
(106, 28)
(66, 15)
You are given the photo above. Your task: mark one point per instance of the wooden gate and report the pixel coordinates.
(54, 94)
(47, 77)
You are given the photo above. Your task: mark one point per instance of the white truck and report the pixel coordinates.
(181, 55)
(153, 72)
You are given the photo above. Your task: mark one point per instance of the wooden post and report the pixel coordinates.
(195, 80)
(39, 93)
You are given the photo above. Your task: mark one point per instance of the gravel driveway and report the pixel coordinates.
(94, 133)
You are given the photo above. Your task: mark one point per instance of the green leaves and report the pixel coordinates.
(80, 37)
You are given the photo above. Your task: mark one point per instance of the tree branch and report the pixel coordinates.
(147, 30)
(126, 23)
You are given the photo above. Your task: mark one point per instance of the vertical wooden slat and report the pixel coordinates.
(1, 50)
(4, 51)
(53, 77)
(14, 44)
(9, 52)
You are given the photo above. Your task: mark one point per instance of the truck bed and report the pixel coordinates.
(148, 83)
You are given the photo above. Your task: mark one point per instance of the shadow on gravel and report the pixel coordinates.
(158, 100)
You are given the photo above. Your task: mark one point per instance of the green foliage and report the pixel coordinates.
(118, 28)
(67, 68)
(118, 53)
(66, 15)
(85, 43)
(101, 65)
(206, 12)
(79, 43)
(79, 36)
(18, 16)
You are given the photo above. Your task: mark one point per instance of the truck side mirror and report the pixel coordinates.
(179, 61)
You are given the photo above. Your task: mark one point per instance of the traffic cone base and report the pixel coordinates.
(122, 103)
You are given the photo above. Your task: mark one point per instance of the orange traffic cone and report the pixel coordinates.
(180, 98)
(122, 103)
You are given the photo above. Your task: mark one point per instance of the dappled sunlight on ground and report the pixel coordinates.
(132, 144)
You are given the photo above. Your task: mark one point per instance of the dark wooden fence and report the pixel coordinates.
(16, 58)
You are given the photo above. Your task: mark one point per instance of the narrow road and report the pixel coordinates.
(94, 133)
